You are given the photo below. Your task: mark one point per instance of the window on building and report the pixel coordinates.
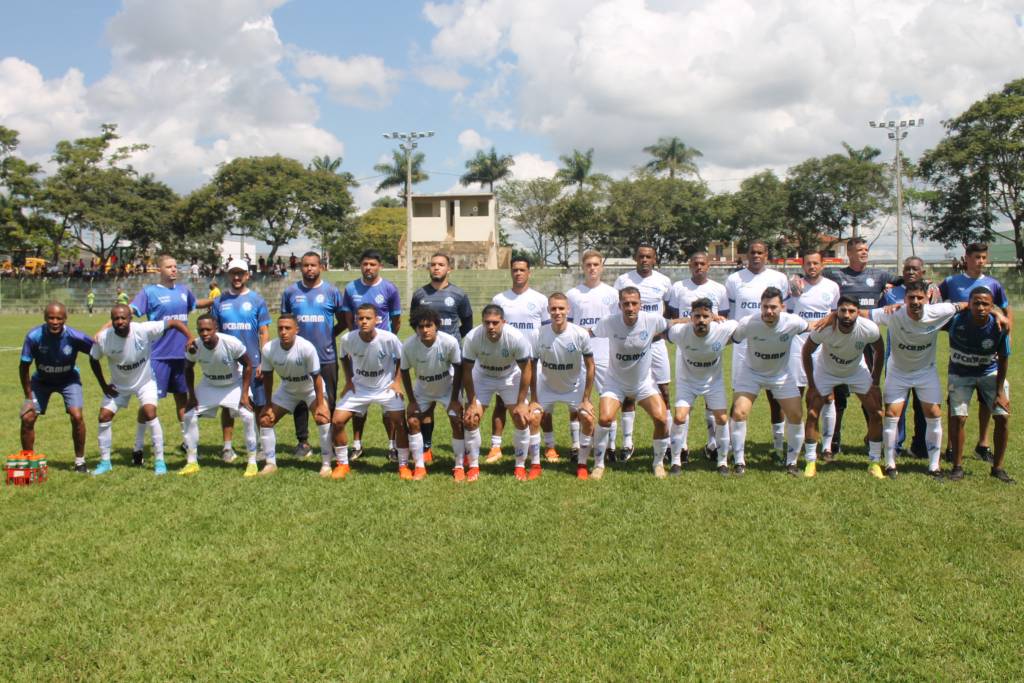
(426, 209)
(473, 207)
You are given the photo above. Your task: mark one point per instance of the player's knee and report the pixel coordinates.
(266, 421)
(414, 424)
(28, 420)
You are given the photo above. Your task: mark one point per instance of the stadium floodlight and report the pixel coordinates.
(871, 123)
(892, 124)
(894, 133)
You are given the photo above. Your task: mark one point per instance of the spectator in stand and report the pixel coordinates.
(293, 262)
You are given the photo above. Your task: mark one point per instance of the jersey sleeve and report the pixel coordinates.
(819, 336)
(1000, 298)
(601, 328)
(943, 312)
(944, 289)
(523, 348)
(262, 314)
(140, 304)
(236, 347)
(80, 341)
(660, 324)
(312, 360)
(620, 282)
(455, 353)
(406, 362)
(585, 345)
(154, 329)
(1003, 345)
(343, 346)
(468, 352)
(28, 349)
(730, 292)
(394, 303)
(740, 333)
(190, 300)
(192, 356)
(675, 333)
(465, 310)
(96, 352)
(874, 334)
(286, 302)
(879, 316)
(347, 305)
(265, 363)
(545, 316)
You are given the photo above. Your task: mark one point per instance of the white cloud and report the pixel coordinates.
(529, 166)
(441, 77)
(359, 81)
(471, 141)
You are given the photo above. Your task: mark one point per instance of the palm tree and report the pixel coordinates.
(487, 168)
(395, 172)
(673, 155)
(329, 165)
(576, 170)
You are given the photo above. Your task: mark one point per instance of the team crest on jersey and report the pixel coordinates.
(826, 298)
(319, 298)
(608, 300)
(531, 307)
(716, 347)
(784, 337)
(870, 282)
(381, 354)
(246, 306)
(184, 297)
(379, 298)
(644, 335)
(987, 344)
(859, 346)
(66, 350)
(448, 301)
(571, 348)
(504, 353)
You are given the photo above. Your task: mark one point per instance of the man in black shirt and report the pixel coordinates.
(456, 313)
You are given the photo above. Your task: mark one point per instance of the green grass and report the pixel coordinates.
(630, 578)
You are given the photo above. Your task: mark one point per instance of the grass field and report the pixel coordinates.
(630, 578)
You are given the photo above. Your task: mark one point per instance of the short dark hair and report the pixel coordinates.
(371, 254)
(751, 243)
(443, 255)
(847, 299)
(811, 250)
(491, 309)
(312, 253)
(520, 259)
(424, 314)
(366, 306)
(771, 293)
(702, 302)
(693, 254)
(645, 245)
(916, 286)
(976, 248)
(205, 316)
(983, 291)
(557, 295)
(855, 241)
(628, 290)
(288, 316)
(914, 258)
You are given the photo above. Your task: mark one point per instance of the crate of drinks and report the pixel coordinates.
(26, 467)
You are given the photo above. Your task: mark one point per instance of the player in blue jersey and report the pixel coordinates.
(54, 347)
(957, 288)
(979, 354)
(373, 289)
(242, 313)
(166, 300)
(317, 306)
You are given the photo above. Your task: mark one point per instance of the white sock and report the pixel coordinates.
(535, 448)
(933, 441)
(722, 437)
(778, 435)
(140, 436)
(341, 454)
(581, 458)
(549, 438)
(473, 447)
(249, 425)
(574, 430)
(357, 444)
(627, 429)
(403, 457)
(676, 440)
(269, 439)
(79, 459)
(326, 442)
(709, 420)
(794, 442)
(890, 426)
(601, 441)
(191, 423)
(660, 446)
(685, 435)
(391, 444)
(156, 434)
(181, 426)
(416, 449)
(105, 436)
(613, 433)
(828, 425)
(459, 451)
(585, 440)
(738, 440)
(874, 451)
(521, 439)
(811, 451)
(495, 440)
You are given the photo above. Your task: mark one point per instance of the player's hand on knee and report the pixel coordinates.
(28, 410)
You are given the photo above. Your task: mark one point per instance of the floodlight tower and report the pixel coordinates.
(407, 144)
(897, 131)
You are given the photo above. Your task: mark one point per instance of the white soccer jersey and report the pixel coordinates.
(654, 289)
(373, 362)
(498, 359)
(629, 348)
(698, 358)
(912, 342)
(526, 312)
(219, 365)
(816, 301)
(685, 292)
(842, 354)
(744, 289)
(295, 366)
(768, 347)
(587, 306)
(560, 357)
(129, 355)
(433, 364)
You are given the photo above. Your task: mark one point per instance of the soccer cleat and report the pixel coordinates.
(581, 472)
(160, 467)
(419, 474)
(711, 453)
(302, 450)
(459, 474)
(675, 471)
(493, 456)
(684, 455)
(936, 475)
(137, 458)
(625, 453)
(81, 468)
(610, 455)
(1000, 474)
(810, 469)
(228, 455)
(340, 471)
(428, 457)
(268, 469)
(875, 470)
(597, 473)
(956, 474)
(723, 470)
(574, 452)
(473, 474)
(551, 455)
(520, 473)
(659, 471)
(325, 470)
(393, 455)
(891, 472)
(404, 473)
(534, 472)
(739, 470)
(189, 469)
(356, 453)
(183, 448)
(251, 470)
(984, 453)
(793, 470)
(827, 457)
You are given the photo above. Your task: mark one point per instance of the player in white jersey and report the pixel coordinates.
(631, 336)
(699, 350)
(565, 374)
(745, 288)
(841, 362)
(525, 309)
(654, 290)
(496, 361)
(680, 299)
(437, 359)
(371, 358)
(127, 347)
(589, 302)
(222, 385)
(913, 332)
(296, 361)
(812, 297)
(765, 365)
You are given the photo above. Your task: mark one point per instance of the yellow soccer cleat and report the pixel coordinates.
(811, 469)
(251, 470)
(189, 469)
(875, 470)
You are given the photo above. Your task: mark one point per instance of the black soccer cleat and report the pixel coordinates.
(739, 470)
(625, 453)
(793, 470)
(711, 453)
(393, 455)
(956, 474)
(675, 471)
(984, 453)
(685, 456)
(81, 468)
(891, 472)
(356, 453)
(723, 470)
(137, 458)
(1000, 474)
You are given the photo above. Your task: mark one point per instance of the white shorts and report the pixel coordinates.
(146, 393)
(739, 357)
(422, 399)
(750, 382)
(212, 397)
(646, 389)
(825, 382)
(661, 370)
(961, 389)
(600, 374)
(796, 361)
(288, 400)
(360, 400)
(713, 392)
(925, 382)
(505, 387)
(547, 398)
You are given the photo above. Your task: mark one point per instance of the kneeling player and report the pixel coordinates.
(222, 386)
(127, 346)
(296, 361)
(371, 358)
(496, 362)
(700, 343)
(565, 366)
(841, 362)
(437, 359)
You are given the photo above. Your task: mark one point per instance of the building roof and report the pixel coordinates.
(457, 195)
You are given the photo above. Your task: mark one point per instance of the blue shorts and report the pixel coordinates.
(259, 396)
(71, 392)
(170, 376)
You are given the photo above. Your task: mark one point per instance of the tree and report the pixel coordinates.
(487, 168)
(977, 170)
(20, 225)
(395, 172)
(332, 165)
(757, 210)
(673, 155)
(573, 220)
(379, 228)
(529, 204)
(199, 224)
(386, 203)
(577, 169)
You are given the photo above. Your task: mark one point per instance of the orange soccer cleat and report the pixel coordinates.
(581, 472)
(428, 457)
(404, 473)
(419, 474)
(340, 471)
(534, 472)
(459, 474)
(520, 473)
(551, 455)
(493, 456)
(473, 474)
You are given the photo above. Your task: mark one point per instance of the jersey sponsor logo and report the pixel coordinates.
(870, 282)
(985, 344)
(176, 316)
(217, 377)
(750, 304)
(702, 364)
(770, 356)
(436, 378)
(913, 347)
(310, 318)
(54, 369)
(630, 357)
(495, 368)
(128, 367)
(785, 337)
(585, 322)
(973, 359)
(843, 361)
(813, 315)
(521, 326)
(295, 378)
(867, 301)
(370, 373)
(558, 366)
(237, 327)
(654, 308)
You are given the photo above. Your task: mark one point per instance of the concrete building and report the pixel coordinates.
(463, 225)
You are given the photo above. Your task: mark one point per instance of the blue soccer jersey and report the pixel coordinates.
(383, 295)
(957, 288)
(55, 355)
(315, 309)
(242, 316)
(156, 302)
(974, 349)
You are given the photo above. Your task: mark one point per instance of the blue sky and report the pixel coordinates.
(753, 85)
